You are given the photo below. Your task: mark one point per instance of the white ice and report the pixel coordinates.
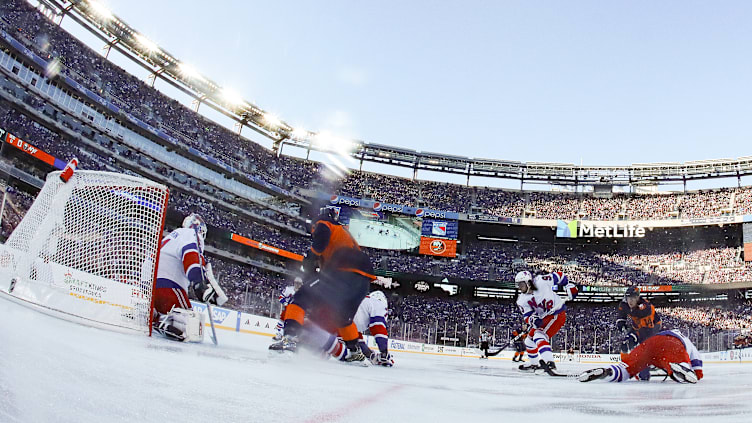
(56, 371)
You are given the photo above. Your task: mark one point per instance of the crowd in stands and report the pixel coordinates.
(415, 317)
(498, 261)
(184, 200)
(193, 130)
(135, 97)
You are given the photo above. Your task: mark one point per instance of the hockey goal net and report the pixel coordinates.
(87, 249)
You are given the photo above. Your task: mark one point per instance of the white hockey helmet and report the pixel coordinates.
(379, 296)
(525, 278)
(195, 222)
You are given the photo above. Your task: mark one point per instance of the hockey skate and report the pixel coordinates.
(528, 367)
(594, 374)
(683, 373)
(548, 367)
(288, 343)
(355, 357)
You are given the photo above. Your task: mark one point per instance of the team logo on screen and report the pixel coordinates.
(437, 246)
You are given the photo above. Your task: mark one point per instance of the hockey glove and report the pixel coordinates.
(621, 324)
(571, 290)
(382, 359)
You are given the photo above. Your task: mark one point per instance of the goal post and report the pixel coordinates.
(87, 250)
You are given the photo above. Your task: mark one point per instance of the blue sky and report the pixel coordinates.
(596, 82)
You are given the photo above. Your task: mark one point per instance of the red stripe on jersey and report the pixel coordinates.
(190, 258)
(378, 330)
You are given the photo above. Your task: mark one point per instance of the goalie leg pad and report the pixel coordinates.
(182, 325)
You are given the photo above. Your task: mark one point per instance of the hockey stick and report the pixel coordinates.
(208, 305)
(503, 347)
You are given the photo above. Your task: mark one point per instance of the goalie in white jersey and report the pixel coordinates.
(182, 266)
(545, 313)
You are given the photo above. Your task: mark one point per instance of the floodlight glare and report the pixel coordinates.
(328, 142)
(100, 10)
(231, 96)
(271, 120)
(189, 71)
(146, 43)
(299, 133)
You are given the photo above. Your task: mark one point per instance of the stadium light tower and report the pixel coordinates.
(189, 71)
(146, 43)
(271, 120)
(231, 96)
(100, 10)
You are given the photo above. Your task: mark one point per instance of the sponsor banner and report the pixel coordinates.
(32, 151)
(438, 247)
(711, 220)
(223, 317)
(440, 228)
(583, 229)
(250, 323)
(655, 288)
(378, 206)
(265, 247)
(75, 294)
(477, 217)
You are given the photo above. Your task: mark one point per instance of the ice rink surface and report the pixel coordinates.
(56, 371)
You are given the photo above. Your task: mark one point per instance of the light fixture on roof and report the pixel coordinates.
(146, 43)
(272, 120)
(100, 10)
(300, 133)
(189, 71)
(231, 96)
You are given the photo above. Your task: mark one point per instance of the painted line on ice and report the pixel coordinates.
(344, 410)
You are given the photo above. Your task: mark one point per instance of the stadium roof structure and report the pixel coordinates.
(134, 45)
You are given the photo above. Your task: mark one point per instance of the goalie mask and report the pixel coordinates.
(524, 281)
(195, 222)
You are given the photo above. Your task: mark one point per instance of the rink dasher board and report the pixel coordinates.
(73, 295)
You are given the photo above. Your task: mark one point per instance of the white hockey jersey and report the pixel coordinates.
(180, 261)
(371, 314)
(543, 301)
(285, 297)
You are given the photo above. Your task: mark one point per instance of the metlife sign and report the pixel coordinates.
(580, 229)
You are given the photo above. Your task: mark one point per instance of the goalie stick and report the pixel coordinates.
(208, 305)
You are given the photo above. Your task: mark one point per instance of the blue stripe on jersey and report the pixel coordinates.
(527, 314)
(194, 274)
(166, 283)
(189, 247)
(696, 363)
(377, 319)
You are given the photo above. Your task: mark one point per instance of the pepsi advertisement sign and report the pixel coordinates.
(378, 206)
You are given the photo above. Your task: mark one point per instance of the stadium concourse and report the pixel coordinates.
(59, 371)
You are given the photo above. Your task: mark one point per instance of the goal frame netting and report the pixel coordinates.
(87, 250)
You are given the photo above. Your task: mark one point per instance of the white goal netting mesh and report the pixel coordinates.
(88, 248)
